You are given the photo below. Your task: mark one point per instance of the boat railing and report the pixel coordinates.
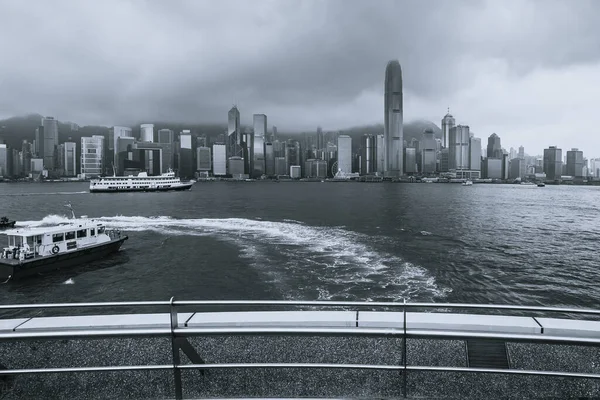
(183, 319)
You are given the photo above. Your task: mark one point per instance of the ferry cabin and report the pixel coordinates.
(41, 242)
(140, 182)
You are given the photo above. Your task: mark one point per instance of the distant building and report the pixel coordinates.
(219, 159)
(147, 133)
(203, 159)
(37, 165)
(475, 154)
(295, 171)
(281, 166)
(92, 149)
(4, 162)
(345, 154)
(260, 131)
(393, 120)
(269, 159)
(448, 122)
(379, 154)
(50, 141)
(26, 156)
(458, 150)
(70, 160)
(320, 139)
(368, 155)
(493, 168)
(234, 134)
(428, 152)
(114, 133)
(186, 156)
(553, 163)
(521, 152)
(517, 168)
(494, 147)
(410, 161)
(236, 167)
(166, 138)
(444, 160)
(575, 163)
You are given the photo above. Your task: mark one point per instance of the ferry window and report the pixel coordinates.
(81, 233)
(69, 235)
(92, 232)
(101, 230)
(57, 237)
(38, 239)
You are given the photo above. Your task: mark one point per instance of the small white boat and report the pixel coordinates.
(467, 183)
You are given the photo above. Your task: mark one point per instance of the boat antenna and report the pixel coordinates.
(68, 205)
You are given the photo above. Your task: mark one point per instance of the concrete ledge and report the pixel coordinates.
(11, 324)
(449, 322)
(304, 319)
(125, 321)
(570, 327)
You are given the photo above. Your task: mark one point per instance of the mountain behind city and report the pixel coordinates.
(16, 129)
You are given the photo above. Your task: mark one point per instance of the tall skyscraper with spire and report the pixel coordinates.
(448, 123)
(393, 135)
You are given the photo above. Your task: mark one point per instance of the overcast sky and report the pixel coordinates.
(527, 70)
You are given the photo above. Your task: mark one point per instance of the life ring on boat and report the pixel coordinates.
(55, 250)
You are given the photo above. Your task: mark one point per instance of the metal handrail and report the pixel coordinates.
(174, 331)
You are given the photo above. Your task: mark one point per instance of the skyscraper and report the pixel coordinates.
(260, 130)
(345, 154)
(50, 141)
(147, 132)
(494, 148)
(448, 123)
(575, 163)
(428, 149)
(368, 155)
(320, 139)
(458, 149)
(553, 163)
(392, 120)
(475, 154)
(91, 156)
(70, 160)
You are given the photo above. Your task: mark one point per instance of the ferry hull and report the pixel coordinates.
(16, 269)
(183, 186)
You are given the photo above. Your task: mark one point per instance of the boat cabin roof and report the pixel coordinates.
(65, 227)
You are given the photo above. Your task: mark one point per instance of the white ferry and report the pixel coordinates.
(34, 250)
(140, 183)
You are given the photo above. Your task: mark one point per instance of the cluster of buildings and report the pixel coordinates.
(256, 152)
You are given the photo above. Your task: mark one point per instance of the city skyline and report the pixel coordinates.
(530, 85)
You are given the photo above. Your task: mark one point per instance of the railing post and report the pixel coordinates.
(175, 350)
(404, 355)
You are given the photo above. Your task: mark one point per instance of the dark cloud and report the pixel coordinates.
(301, 62)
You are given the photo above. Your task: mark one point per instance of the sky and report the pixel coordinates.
(528, 70)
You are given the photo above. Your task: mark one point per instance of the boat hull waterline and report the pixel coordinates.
(183, 186)
(19, 269)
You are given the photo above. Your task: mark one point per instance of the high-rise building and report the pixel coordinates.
(410, 160)
(70, 160)
(344, 154)
(368, 155)
(166, 138)
(521, 152)
(219, 159)
(92, 149)
(147, 133)
(575, 163)
(186, 158)
(320, 139)
(494, 148)
(517, 168)
(114, 133)
(281, 166)
(4, 162)
(269, 159)
(236, 167)
(475, 154)
(428, 152)
(124, 151)
(260, 130)
(448, 123)
(234, 134)
(458, 149)
(26, 155)
(38, 142)
(50, 141)
(493, 168)
(274, 138)
(203, 159)
(553, 162)
(393, 120)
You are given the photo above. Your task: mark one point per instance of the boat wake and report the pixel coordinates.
(45, 193)
(304, 262)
